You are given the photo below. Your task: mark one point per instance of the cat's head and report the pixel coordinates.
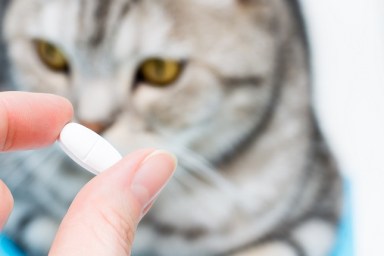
(197, 74)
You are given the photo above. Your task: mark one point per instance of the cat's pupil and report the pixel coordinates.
(50, 51)
(159, 68)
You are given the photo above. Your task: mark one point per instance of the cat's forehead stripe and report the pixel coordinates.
(81, 12)
(124, 9)
(102, 16)
(101, 12)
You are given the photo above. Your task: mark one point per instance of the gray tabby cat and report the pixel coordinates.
(224, 84)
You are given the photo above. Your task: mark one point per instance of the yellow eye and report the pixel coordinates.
(160, 72)
(51, 56)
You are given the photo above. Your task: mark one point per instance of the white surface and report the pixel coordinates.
(347, 39)
(87, 148)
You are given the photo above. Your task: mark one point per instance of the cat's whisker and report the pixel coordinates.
(188, 179)
(203, 172)
(175, 186)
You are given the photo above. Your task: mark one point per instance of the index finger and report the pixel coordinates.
(31, 120)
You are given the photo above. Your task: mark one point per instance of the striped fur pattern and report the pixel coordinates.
(4, 81)
(255, 176)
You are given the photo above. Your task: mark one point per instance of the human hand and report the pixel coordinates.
(104, 215)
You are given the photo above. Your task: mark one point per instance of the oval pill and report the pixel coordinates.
(87, 148)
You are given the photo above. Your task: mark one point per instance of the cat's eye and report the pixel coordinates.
(51, 56)
(159, 72)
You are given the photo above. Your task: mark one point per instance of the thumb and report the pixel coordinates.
(104, 215)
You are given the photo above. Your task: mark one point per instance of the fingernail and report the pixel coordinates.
(153, 174)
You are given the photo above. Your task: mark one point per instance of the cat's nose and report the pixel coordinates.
(98, 127)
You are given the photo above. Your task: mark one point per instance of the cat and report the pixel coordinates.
(225, 85)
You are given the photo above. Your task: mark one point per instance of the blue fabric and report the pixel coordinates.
(344, 245)
(8, 248)
(345, 242)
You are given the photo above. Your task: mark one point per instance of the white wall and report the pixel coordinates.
(347, 37)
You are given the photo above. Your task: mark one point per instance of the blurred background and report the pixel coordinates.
(347, 39)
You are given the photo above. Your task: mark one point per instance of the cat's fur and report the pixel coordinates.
(4, 80)
(255, 177)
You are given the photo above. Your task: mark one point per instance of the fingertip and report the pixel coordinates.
(31, 120)
(61, 114)
(67, 107)
(61, 106)
(153, 174)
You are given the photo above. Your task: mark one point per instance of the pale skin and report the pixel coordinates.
(104, 215)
